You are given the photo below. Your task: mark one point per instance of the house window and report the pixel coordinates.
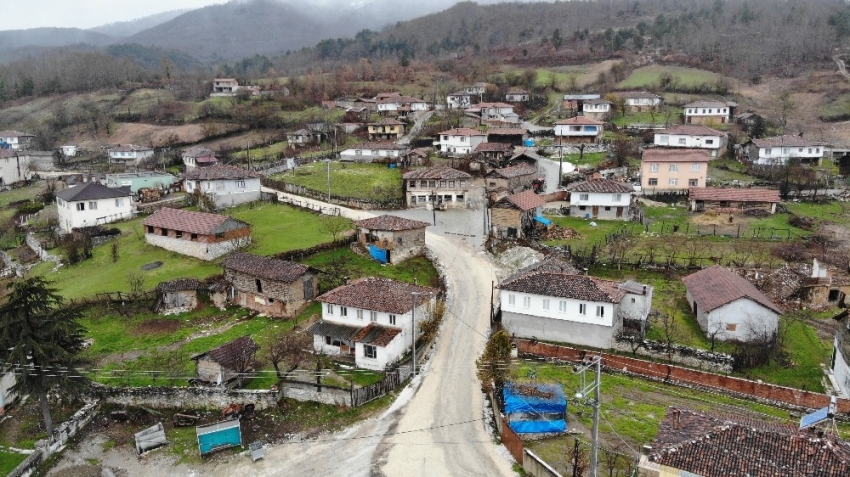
(459, 198)
(581, 207)
(392, 319)
(374, 152)
(178, 234)
(618, 197)
(163, 232)
(150, 229)
(526, 301)
(663, 139)
(545, 303)
(240, 183)
(582, 309)
(695, 167)
(562, 306)
(451, 184)
(359, 314)
(412, 184)
(432, 184)
(461, 184)
(92, 205)
(193, 237)
(259, 285)
(600, 311)
(330, 309)
(583, 196)
(693, 182)
(731, 326)
(674, 168)
(709, 141)
(674, 182)
(817, 150)
(443, 184)
(511, 299)
(653, 181)
(463, 139)
(343, 311)
(329, 340)
(370, 352)
(607, 208)
(810, 150)
(682, 141)
(653, 168)
(423, 183)
(358, 152)
(119, 202)
(768, 151)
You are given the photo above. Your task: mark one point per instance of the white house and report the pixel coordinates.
(640, 101)
(601, 199)
(91, 204)
(402, 104)
(477, 89)
(129, 154)
(729, 307)
(371, 320)
(14, 167)
(460, 100)
(225, 87)
(369, 151)
(561, 305)
(68, 150)
(227, 185)
(517, 95)
(841, 355)
(198, 156)
(596, 108)
(302, 136)
(7, 397)
(693, 136)
(495, 112)
(16, 139)
(708, 112)
(779, 149)
(579, 129)
(459, 141)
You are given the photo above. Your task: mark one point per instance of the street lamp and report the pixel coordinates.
(413, 296)
(596, 362)
(329, 180)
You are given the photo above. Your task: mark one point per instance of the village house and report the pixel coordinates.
(709, 112)
(729, 307)
(697, 443)
(693, 137)
(196, 234)
(673, 169)
(229, 365)
(302, 137)
(91, 204)
(778, 150)
(513, 216)
(141, 179)
(270, 286)
(198, 156)
(390, 238)
(396, 103)
(225, 87)
(386, 130)
(641, 101)
(824, 286)
(460, 100)
(578, 129)
(370, 320)
(177, 296)
(374, 151)
(513, 179)
(441, 187)
(574, 103)
(494, 151)
(517, 95)
(495, 112)
(477, 88)
(601, 199)
(129, 155)
(512, 136)
(14, 167)
(459, 141)
(841, 355)
(596, 109)
(68, 150)
(15, 140)
(732, 200)
(226, 185)
(569, 307)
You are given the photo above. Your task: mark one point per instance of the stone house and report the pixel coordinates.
(387, 129)
(226, 185)
(227, 365)
(512, 136)
(780, 149)
(513, 216)
(731, 200)
(14, 167)
(268, 285)
(436, 187)
(729, 306)
(196, 234)
(302, 137)
(824, 287)
(517, 95)
(664, 169)
(640, 101)
(460, 100)
(177, 296)
(601, 199)
(496, 152)
(129, 155)
(15, 140)
(515, 178)
(400, 238)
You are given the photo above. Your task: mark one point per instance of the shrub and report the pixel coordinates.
(30, 207)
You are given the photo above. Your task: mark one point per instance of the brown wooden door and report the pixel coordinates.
(619, 211)
(595, 210)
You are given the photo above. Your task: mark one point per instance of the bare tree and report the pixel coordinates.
(286, 353)
(716, 332)
(783, 107)
(335, 225)
(136, 282)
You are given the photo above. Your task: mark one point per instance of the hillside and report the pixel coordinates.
(16, 44)
(131, 27)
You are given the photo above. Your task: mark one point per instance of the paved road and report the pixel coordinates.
(414, 130)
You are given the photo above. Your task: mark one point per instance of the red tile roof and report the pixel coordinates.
(232, 355)
(220, 172)
(526, 200)
(521, 169)
(493, 147)
(200, 223)
(507, 131)
(637, 95)
(716, 286)
(387, 122)
(579, 120)
(656, 154)
(601, 185)
(380, 146)
(377, 335)
(786, 141)
(462, 132)
(734, 195)
(494, 105)
(390, 222)
(692, 130)
(264, 267)
(377, 294)
(564, 285)
(130, 148)
(436, 173)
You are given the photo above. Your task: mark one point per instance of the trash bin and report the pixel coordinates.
(257, 451)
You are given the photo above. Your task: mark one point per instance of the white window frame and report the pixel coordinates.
(653, 167)
(600, 311)
(81, 206)
(329, 309)
(562, 306)
(370, 351)
(343, 311)
(373, 316)
(582, 309)
(618, 197)
(526, 302)
(545, 303)
(695, 167)
(584, 196)
(673, 181)
(359, 314)
(673, 168)
(511, 299)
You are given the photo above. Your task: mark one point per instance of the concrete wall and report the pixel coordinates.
(713, 144)
(663, 174)
(749, 319)
(841, 369)
(601, 212)
(384, 356)
(584, 334)
(307, 392)
(13, 169)
(202, 250)
(227, 193)
(559, 309)
(189, 398)
(7, 397)
(537, 467)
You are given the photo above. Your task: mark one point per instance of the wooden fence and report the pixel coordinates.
(350, 202)
(511, 440)
(361, 396)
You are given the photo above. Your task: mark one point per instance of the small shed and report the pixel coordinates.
(218, 436)
(513, 216)
(535, 408)
(227, 364)
(177, 296)
(515, 178)
(394, 238)
(731, 200)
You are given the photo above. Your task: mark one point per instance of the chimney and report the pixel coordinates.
(646, 450)
(677, 415)
(644, 289)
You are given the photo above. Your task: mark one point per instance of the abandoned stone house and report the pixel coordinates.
(730, 200)
(494, 151)
(177, 296)
(230, 364)
(196, 234)
(398, 237)
(824, 287)
(513, 216)
(514, 178)
(268, 285)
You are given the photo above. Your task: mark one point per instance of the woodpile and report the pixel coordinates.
(558, 233)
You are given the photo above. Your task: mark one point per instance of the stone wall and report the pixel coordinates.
(35, 245)
(307, 392)
(692, 357)
(189, 398)
(276, 298)
(202, 250)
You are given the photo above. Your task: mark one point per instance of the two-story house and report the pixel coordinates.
(15, 140)
(513, 216)
(779, 149)
(386, 130)
(570, 308)
(371, 320)
(401, 104)
(495, 112)
(226, 185)
(302, 137)
(596, 108)
(694, 137)
(517, 95)
(574, 103)
(129, 155)
(141, 179)
(374, 150)
(225, 87)
(512, 179)
(512, 136)
(579, 129)
(601, 199)
(709, 112)
(14, 167)
(640, 101)
(198, 156)
(459, 141)
(436, 187)
(460, 99)
(664, 169)
(268, 285)
(91, 204)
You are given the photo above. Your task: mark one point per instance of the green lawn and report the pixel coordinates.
(649, 76)
(347, 180)
(263, 153)
(589, 234)
(722, 171)
(10, 460)
(140, 100)
(669, 114)
(835, 109)
(589, 159)
(29, 192)
(343, 263)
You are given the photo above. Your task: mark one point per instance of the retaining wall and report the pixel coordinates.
(307, 392)
(191, 398)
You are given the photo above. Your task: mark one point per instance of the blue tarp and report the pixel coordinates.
(538, 427)
(378, 253)
(543, 220)
(542, 410)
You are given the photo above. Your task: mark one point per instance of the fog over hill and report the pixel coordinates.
(131, 27)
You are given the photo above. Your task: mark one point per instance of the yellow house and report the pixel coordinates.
(666, 170)
(386, 130)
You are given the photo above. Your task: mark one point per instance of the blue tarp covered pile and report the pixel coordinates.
(535, 408)
(378, 253)
(543, 220)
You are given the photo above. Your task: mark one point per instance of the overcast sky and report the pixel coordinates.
(86, 13)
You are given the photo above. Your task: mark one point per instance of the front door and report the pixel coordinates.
(595, 211)
(619, 211)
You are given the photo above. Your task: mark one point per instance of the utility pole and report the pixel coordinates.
(596, 362)
(329, 180)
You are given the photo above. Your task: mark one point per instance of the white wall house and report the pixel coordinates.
(570, 308)
(91, 204)
(14, 167)
(841, 356)
(68, 150)
(705, 112)
(16, 139)
(779, 149)
(198, 156)
(129, 154)
(227, 185)
(517, 96)
(400, 103)
(693, 136)
(579, 129)
(601, 198)
(369, 151)
(496, 112)
(459, 141)
(460, 100)
(596, 108)
(371, 320)
(729, 307)
(639, 101)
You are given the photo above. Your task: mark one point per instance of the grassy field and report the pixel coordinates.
(10, 460)
(342, 262)
(649, 76)
(589, 159)
(348, 180)
(835, 109)
(140, 100)
(262, 153)
(722, 171)
(668, 114)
